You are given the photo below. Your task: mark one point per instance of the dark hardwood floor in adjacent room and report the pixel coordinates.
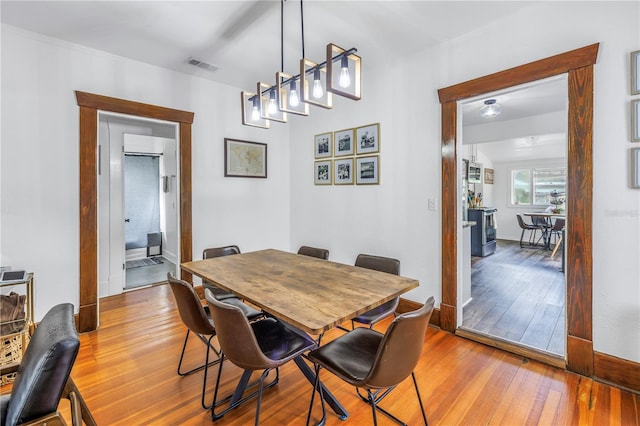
(126, 371)
(518, 294)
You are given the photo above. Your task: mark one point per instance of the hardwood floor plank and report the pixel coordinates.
(126, 371)
(518, 295)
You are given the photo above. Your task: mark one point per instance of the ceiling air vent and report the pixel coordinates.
(203, 65)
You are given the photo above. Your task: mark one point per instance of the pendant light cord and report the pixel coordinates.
(282, 35)
(302, 27)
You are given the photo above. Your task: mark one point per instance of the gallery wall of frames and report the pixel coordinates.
(348, 156)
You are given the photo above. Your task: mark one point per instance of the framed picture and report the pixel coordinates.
(635, 121)
(323, 144)
(488, 175)
(343, 171)
(368, 170)
(245, 159)
(635, 168)
(635, 72)
(343, 143)
(368, 139)
(322, 172)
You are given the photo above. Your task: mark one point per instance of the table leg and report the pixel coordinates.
(241, 386)
(328, 396)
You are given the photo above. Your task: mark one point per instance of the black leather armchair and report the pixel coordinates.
(43, 376)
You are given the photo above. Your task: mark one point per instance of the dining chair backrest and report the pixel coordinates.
(235, 335)
(400, 349)
(45, 368)
(209, 253)
(320, 253)
(190, 308)
(522, 223)
(558, 224)
(378, 263)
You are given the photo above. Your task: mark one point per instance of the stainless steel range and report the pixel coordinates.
(483, 235)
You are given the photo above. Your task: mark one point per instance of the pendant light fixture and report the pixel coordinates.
(490, 108)
(314, 85)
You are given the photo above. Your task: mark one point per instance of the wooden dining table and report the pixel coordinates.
(312, 294)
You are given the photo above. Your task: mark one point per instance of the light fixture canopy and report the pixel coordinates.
(268, 103)
(490, 108)
(343, 72)
(290, 96)
(251, 111)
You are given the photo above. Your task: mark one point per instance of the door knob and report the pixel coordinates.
(127, 220)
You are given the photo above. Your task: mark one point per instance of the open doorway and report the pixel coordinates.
(515, 290)
(578, 64)
(138, 202)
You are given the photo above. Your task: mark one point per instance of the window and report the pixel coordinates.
(533, 187)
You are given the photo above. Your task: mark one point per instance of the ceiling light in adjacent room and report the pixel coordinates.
(490, 108)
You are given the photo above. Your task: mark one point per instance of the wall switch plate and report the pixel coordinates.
(433, 204)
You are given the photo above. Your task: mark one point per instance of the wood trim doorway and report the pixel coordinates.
(89, 105)
(579, 66)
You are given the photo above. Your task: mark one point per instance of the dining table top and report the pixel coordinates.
(312, 294)
(544, 214)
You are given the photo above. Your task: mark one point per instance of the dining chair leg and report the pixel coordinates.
(372, 401)
(415, 383)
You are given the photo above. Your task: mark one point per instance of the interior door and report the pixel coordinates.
(141, 198)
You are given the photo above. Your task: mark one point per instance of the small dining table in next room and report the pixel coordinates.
(547, 217)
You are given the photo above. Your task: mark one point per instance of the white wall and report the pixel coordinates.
(40, 200)
(392, 219)
(39, 173)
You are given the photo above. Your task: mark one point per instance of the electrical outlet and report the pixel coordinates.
(433, 204)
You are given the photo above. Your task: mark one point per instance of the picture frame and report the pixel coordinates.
(368, 170)
(368, 139)
(343, 171)
(323, 144)
(635, 72)
(245, 158)
(635, 121)
(635, 168)
(343, 142)
(488, 176)
(322, 172)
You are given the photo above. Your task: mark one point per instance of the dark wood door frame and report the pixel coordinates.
(89, 105)
(578, 64)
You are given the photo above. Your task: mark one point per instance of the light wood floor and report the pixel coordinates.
(126, 372)
(518, 294)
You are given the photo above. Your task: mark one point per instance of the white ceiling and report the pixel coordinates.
(242, 38)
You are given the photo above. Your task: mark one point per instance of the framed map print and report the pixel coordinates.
(245, 159)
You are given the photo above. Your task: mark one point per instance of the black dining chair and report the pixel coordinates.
(375, 362)
(198, 321)
(382, 264)
(320, 253)
(261, 345)
(527, 227)
(210, 253)
(43, 376)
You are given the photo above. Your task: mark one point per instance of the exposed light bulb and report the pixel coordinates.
(273, 108)
(255, 112)
(294, 100)
(317, 85)
(345, 78)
